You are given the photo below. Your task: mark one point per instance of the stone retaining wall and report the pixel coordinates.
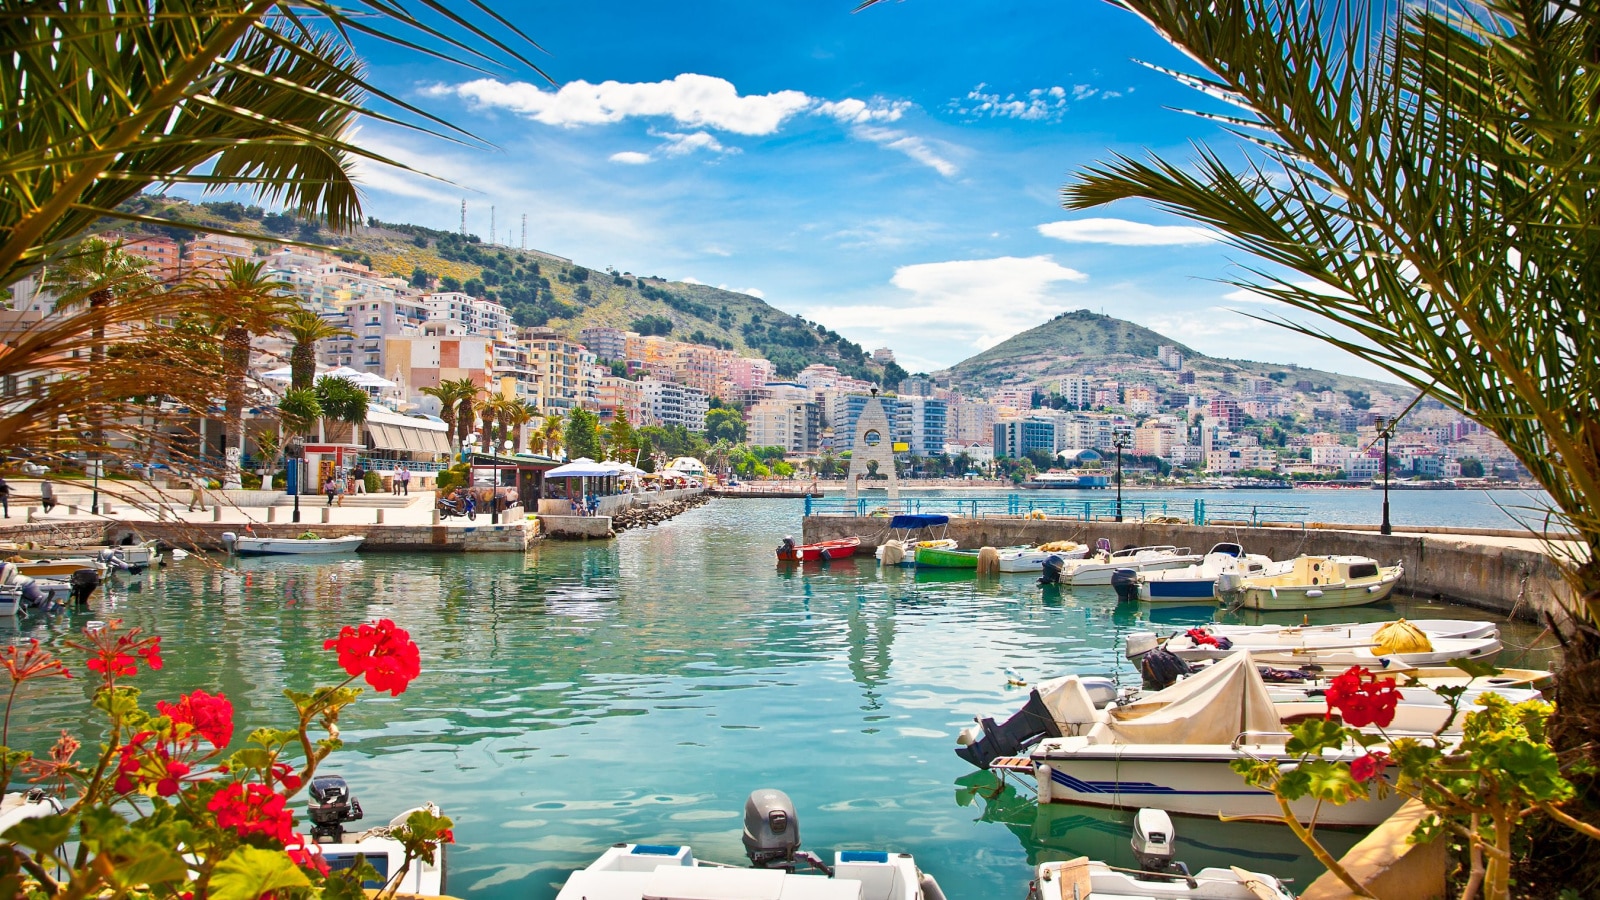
(60, 534)
(509, 536)
(1510, 580)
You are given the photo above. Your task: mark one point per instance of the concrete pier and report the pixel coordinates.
(1514, 576)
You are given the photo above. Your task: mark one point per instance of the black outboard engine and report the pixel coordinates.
(331, 805)
(1053, 567)
(83, 582)
(1126, 584)
(32, 595)
(1161, 669)
(786, 548)
(1028, 726)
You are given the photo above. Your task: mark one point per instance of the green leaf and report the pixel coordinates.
(1477, 668)
(347, 884)
(1331, 781)
(145, 860)
(249, 872)
(43, 834)
(1313, 736)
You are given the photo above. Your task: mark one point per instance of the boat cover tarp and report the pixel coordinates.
(1213, 707)
(918, 521)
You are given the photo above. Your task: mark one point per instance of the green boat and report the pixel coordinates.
(941, 558)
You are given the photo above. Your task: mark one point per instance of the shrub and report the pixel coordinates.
(452, 477)
(374, 482)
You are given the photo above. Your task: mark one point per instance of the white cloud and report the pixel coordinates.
(984, 301)
(753, 292)
(1034, 105)
(689, 99)
(858, 112)
(1126, 234)
(631, 158)
(1245, 295)
(681, 144)
(912, 146)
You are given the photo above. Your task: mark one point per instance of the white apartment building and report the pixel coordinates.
(1331, 455)
(1077, 391)
(972, 422)
(793, 424)
(1237, 459)
(483, 317)
(667, 403)
(562, 368)
(1170, 357)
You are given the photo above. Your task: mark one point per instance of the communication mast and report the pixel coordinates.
(463, 217)
(524, 231)
(492, 235)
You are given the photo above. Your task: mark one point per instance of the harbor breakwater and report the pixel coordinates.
(1485, 571)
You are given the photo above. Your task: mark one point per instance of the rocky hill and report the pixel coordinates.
(1087, 343)
(543, 289)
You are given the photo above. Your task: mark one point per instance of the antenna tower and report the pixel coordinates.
(463, 216)
(524, 231)
(492, 235)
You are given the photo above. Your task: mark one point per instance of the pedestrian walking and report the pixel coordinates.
(5, 497)
(405, 480)
(47, 495)
(358, 480)
(197, 493)
(331, 488)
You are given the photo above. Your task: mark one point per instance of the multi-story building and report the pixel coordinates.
(210, 253)
(1331, 455)
(563, 369)
(883, 355)
(1225, 411)
(925, 424)
(1170, 357)
(368, 323)
(793, 424)
(916, 386)
(1017, 399)
(667, 403)
(166, 263)
(619, 395)
(606, 343)
(1076, 391)
(1015, 438)
(427, 360)
(476, 316)
(1156, 437)
(972, 422)
(1237, 459)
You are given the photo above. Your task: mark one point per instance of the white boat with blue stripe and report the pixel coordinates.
(1196, 584)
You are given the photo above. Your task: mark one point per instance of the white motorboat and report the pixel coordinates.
(249, 545)
(1031, 559)
(122, 557)
(1433, 628)
(1311, 582)
(1196, 583)
(30, 804)
(19, 591)
(1099, 568)
(332, 805)
(1159, 876)
(772, 842)
(1378, 645)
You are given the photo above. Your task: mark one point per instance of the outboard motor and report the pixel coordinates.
(83, 582)
(331, 805)
(771, 829)
(1052, 568)
(1126, 584)
(32, 595)
(786, 548)
(1155, 843)
(1161, 669)
(1027, 726)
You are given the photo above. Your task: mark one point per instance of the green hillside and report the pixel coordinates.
(542, 289)
(1081, 342)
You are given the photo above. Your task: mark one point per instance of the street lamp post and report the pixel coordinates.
(1384, 429)
(94, 497)
(1119, 441)
(294, 453)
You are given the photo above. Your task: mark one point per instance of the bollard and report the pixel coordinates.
(272, 514)
(380, 517)
(106, 507)
(436, 517)
(325, 515)
(216, 514)
(72, 510)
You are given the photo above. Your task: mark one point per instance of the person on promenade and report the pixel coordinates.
(331, 488)
(405, 479)
(197, 493)
(5, 497)
(358, 480)
(47, 495)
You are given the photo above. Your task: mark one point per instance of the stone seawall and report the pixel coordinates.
(1507, 579)
(53, 534)
(510, 536)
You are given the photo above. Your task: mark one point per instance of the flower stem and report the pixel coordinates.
(1321, 852)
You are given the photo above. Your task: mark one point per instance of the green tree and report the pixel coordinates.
(621, 440)
(306, 328)
(583, 434)
(725, 424)
(342, 400)
(1471, 467)
(249, 302)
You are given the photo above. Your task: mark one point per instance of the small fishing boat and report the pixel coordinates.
(1371, 651)
(789, 551)
(1099, 568)
(1310, 582)
(1197, 583)
(772, 844)
(1159, 876)
(59, 567)
(331, 805)
(306, 545)
(907, 532)
(905, 552)
(132, 557)
(1433, 628)
(1031, 559)
(946, 558)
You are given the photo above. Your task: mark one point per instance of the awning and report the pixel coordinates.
(384, 437)
(918, 521)
(390, 431)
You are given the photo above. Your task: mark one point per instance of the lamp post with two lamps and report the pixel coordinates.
(1385, 430)
(293, 453)
(1120, 441)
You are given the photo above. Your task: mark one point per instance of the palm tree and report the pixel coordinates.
(342, 400)
(217, 94)
(549, 436)
(306, 328)
(518, 415)
(466, 408)
(450, 394)
(248, 302)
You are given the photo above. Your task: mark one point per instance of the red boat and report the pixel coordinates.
(789, 551)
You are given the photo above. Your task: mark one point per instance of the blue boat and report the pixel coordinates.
(1196, 584)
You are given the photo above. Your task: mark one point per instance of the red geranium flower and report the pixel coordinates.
(31, 663)
(284, 775)
(253, 809)
(112, 654)
(140, 767)
(381, 651)
(200, 715)
(1369, 767)
(306, 855)
(1362, 699)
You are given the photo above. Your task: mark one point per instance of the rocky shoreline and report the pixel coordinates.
(645, 516)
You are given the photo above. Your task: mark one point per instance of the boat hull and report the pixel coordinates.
(248, 546)
(1191, 780)
(1279, 599)
(841, 549)
(1189, 591)
(936, 558)
(1092, 574)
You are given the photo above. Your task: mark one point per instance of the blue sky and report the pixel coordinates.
(892, 174)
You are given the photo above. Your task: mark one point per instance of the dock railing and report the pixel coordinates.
(1099, 509)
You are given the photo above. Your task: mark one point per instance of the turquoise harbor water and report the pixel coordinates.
(638, 690)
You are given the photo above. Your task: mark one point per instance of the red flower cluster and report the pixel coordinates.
(31, 663)
(112, 654)
(253, 809)
(306, 855)
(200, 715)
(285, 776)
(139, 767)
(1362, 699)
(381, 651)
(1370, 766)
